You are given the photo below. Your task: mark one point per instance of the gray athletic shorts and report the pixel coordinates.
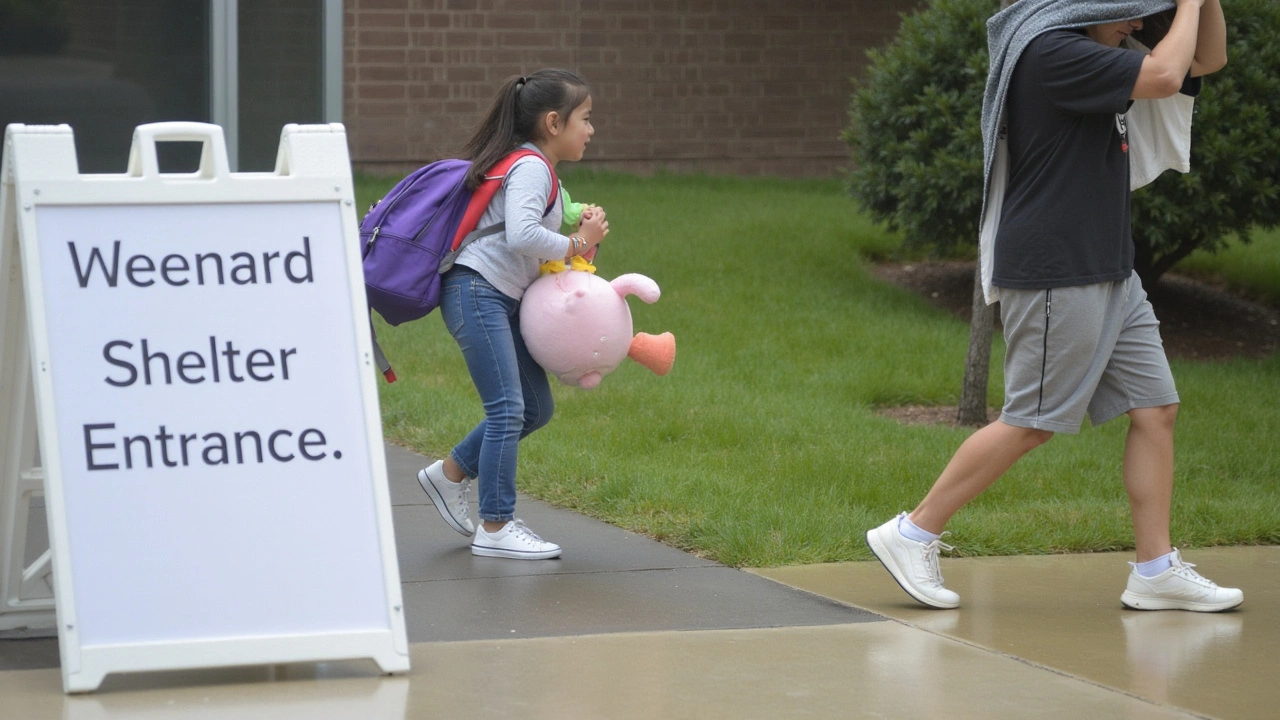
(1092, 349)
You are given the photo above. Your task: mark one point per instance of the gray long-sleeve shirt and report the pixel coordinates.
(509, 260)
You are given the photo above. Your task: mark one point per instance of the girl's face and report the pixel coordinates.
(1113, 33)
(569, 137)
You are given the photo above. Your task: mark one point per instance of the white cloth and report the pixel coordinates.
(1159, 138)
(1159, 134)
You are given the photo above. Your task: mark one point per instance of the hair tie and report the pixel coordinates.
(520, 83)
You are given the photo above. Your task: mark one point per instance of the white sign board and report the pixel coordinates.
(208, 418)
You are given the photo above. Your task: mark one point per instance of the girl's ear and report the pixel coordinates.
(551, 123)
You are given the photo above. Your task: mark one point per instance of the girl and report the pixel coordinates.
(549, 112)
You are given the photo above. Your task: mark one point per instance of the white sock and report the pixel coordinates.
(1152, 568)
(911, 531)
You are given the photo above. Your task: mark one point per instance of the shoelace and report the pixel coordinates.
(462, 501)
(466, 494)
(525, 533)
(931, 558)
(1184, 571)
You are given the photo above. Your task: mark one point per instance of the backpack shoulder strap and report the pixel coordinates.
(483, 195)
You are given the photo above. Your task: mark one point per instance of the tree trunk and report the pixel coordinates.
(1167, 262)
(973, 396)
(1152, 265)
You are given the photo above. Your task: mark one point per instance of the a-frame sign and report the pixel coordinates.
(187, 374)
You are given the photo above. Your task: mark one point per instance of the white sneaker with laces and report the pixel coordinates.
(515, 540)
(913, 564)
(1178, 588)
(450, 498)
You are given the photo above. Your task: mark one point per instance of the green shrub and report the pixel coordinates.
(915, 127)
(1234, 183)
(916, 139)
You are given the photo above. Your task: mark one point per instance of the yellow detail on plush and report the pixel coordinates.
(578, 262)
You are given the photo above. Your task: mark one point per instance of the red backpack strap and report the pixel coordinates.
(483, 195)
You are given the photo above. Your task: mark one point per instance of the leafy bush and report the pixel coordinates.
(916, 138)
(916, 126)
(1234, 182)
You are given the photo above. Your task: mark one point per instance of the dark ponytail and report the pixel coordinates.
(515, 117)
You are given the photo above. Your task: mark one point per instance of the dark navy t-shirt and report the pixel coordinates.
(1065, 219)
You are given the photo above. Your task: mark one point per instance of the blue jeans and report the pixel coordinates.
(513, 387)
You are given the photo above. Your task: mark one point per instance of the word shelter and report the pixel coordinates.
(192, 367)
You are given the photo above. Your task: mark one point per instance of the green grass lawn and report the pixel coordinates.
(1252, 267)
(762, 447)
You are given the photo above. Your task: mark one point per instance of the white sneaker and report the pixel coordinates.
(514, 540)
(1178, 588)
(913, 564)
(450, 498)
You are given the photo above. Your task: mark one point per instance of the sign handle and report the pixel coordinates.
(213, 154)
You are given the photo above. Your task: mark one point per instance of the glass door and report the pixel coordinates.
(106, 66)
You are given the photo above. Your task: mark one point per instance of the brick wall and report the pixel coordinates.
(718, 86)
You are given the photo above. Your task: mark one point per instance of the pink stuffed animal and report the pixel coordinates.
(578, 326)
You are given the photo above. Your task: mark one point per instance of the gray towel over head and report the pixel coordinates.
(1012, 29)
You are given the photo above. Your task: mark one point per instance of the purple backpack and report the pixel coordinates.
(412, 236)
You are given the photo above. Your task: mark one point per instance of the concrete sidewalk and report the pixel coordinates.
(624, 627)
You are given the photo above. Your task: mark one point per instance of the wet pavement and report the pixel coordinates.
(624, 627)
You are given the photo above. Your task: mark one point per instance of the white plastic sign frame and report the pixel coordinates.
(207, 410)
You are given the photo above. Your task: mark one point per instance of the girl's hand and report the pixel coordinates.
(593, 227)
(587, 212)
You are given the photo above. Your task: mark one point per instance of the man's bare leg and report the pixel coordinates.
(976, 465)
(1148, 477)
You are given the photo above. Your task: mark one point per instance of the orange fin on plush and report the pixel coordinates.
(656, 352)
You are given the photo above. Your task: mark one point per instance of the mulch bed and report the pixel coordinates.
(1198, 320)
